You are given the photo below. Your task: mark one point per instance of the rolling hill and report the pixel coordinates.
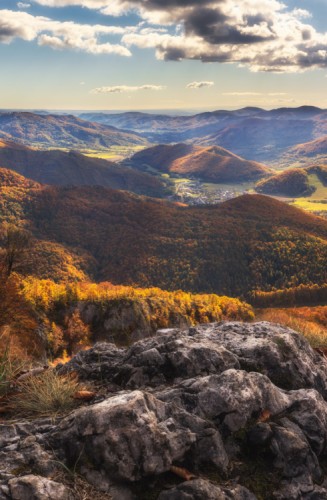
(290, 183)
(253, 133)
(210, 164)
(259, 138)
(307, 185)
(62, 131)
(251, 242)
(308, 152)
(61, 168)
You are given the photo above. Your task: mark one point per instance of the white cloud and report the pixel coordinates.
(264, 35)
(60, 35)
(118, 89)
(199, 85)
(23, 5)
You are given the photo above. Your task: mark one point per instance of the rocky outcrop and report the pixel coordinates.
(171, 356)
(200, 489)
(38, 488)
(135, 435)
(241, 406)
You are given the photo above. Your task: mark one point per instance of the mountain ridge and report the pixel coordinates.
(125, 238)
(66, 131)
(253, 133)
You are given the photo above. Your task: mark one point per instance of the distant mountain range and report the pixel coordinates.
(210, 164)
(254, 133)
(63, 131)
(250, 242)
(61, 168)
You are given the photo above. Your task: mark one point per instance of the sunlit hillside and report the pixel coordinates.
(210, 164)
(251, 242)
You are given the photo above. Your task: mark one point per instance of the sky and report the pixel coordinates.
(162, 54)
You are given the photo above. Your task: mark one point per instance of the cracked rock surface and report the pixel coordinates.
(242, 407)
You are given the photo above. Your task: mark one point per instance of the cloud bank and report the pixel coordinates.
(263, 35)
(59, 35)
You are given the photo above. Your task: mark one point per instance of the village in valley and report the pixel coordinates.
(195, 192)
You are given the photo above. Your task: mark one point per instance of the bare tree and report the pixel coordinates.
(16, 247)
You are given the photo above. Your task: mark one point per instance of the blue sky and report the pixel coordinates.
(149, 54)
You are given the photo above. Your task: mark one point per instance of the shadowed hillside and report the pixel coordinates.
(246, 243)
(293, 182)
(261, 139)
(60, 168)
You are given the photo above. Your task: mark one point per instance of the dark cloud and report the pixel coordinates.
(261, 34)
(8, 32)
(215, 28)
(172, 53)
(314, 56)
(306, 35)
(168, 4)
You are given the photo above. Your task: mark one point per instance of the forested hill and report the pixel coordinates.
(65, 131)
(210, 164)
(72, 168)
(246, 243)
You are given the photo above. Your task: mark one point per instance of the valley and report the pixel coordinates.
(192, 173)
(251, 132)
(195, 192)
(115, 153)
(163, 250)
(141, 264)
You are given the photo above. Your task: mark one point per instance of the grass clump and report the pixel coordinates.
(45, 394)
(79, 487)
(11, 361)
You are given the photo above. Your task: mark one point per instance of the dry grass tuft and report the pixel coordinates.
(45, 394)
(80, 488)
(85, 491)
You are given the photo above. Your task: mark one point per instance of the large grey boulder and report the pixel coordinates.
(231, 399)
(134, 435)
(161, 360)
(278, 352)
(290, 425)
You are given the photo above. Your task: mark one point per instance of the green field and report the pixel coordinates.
(114, 153)
(317, 202)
